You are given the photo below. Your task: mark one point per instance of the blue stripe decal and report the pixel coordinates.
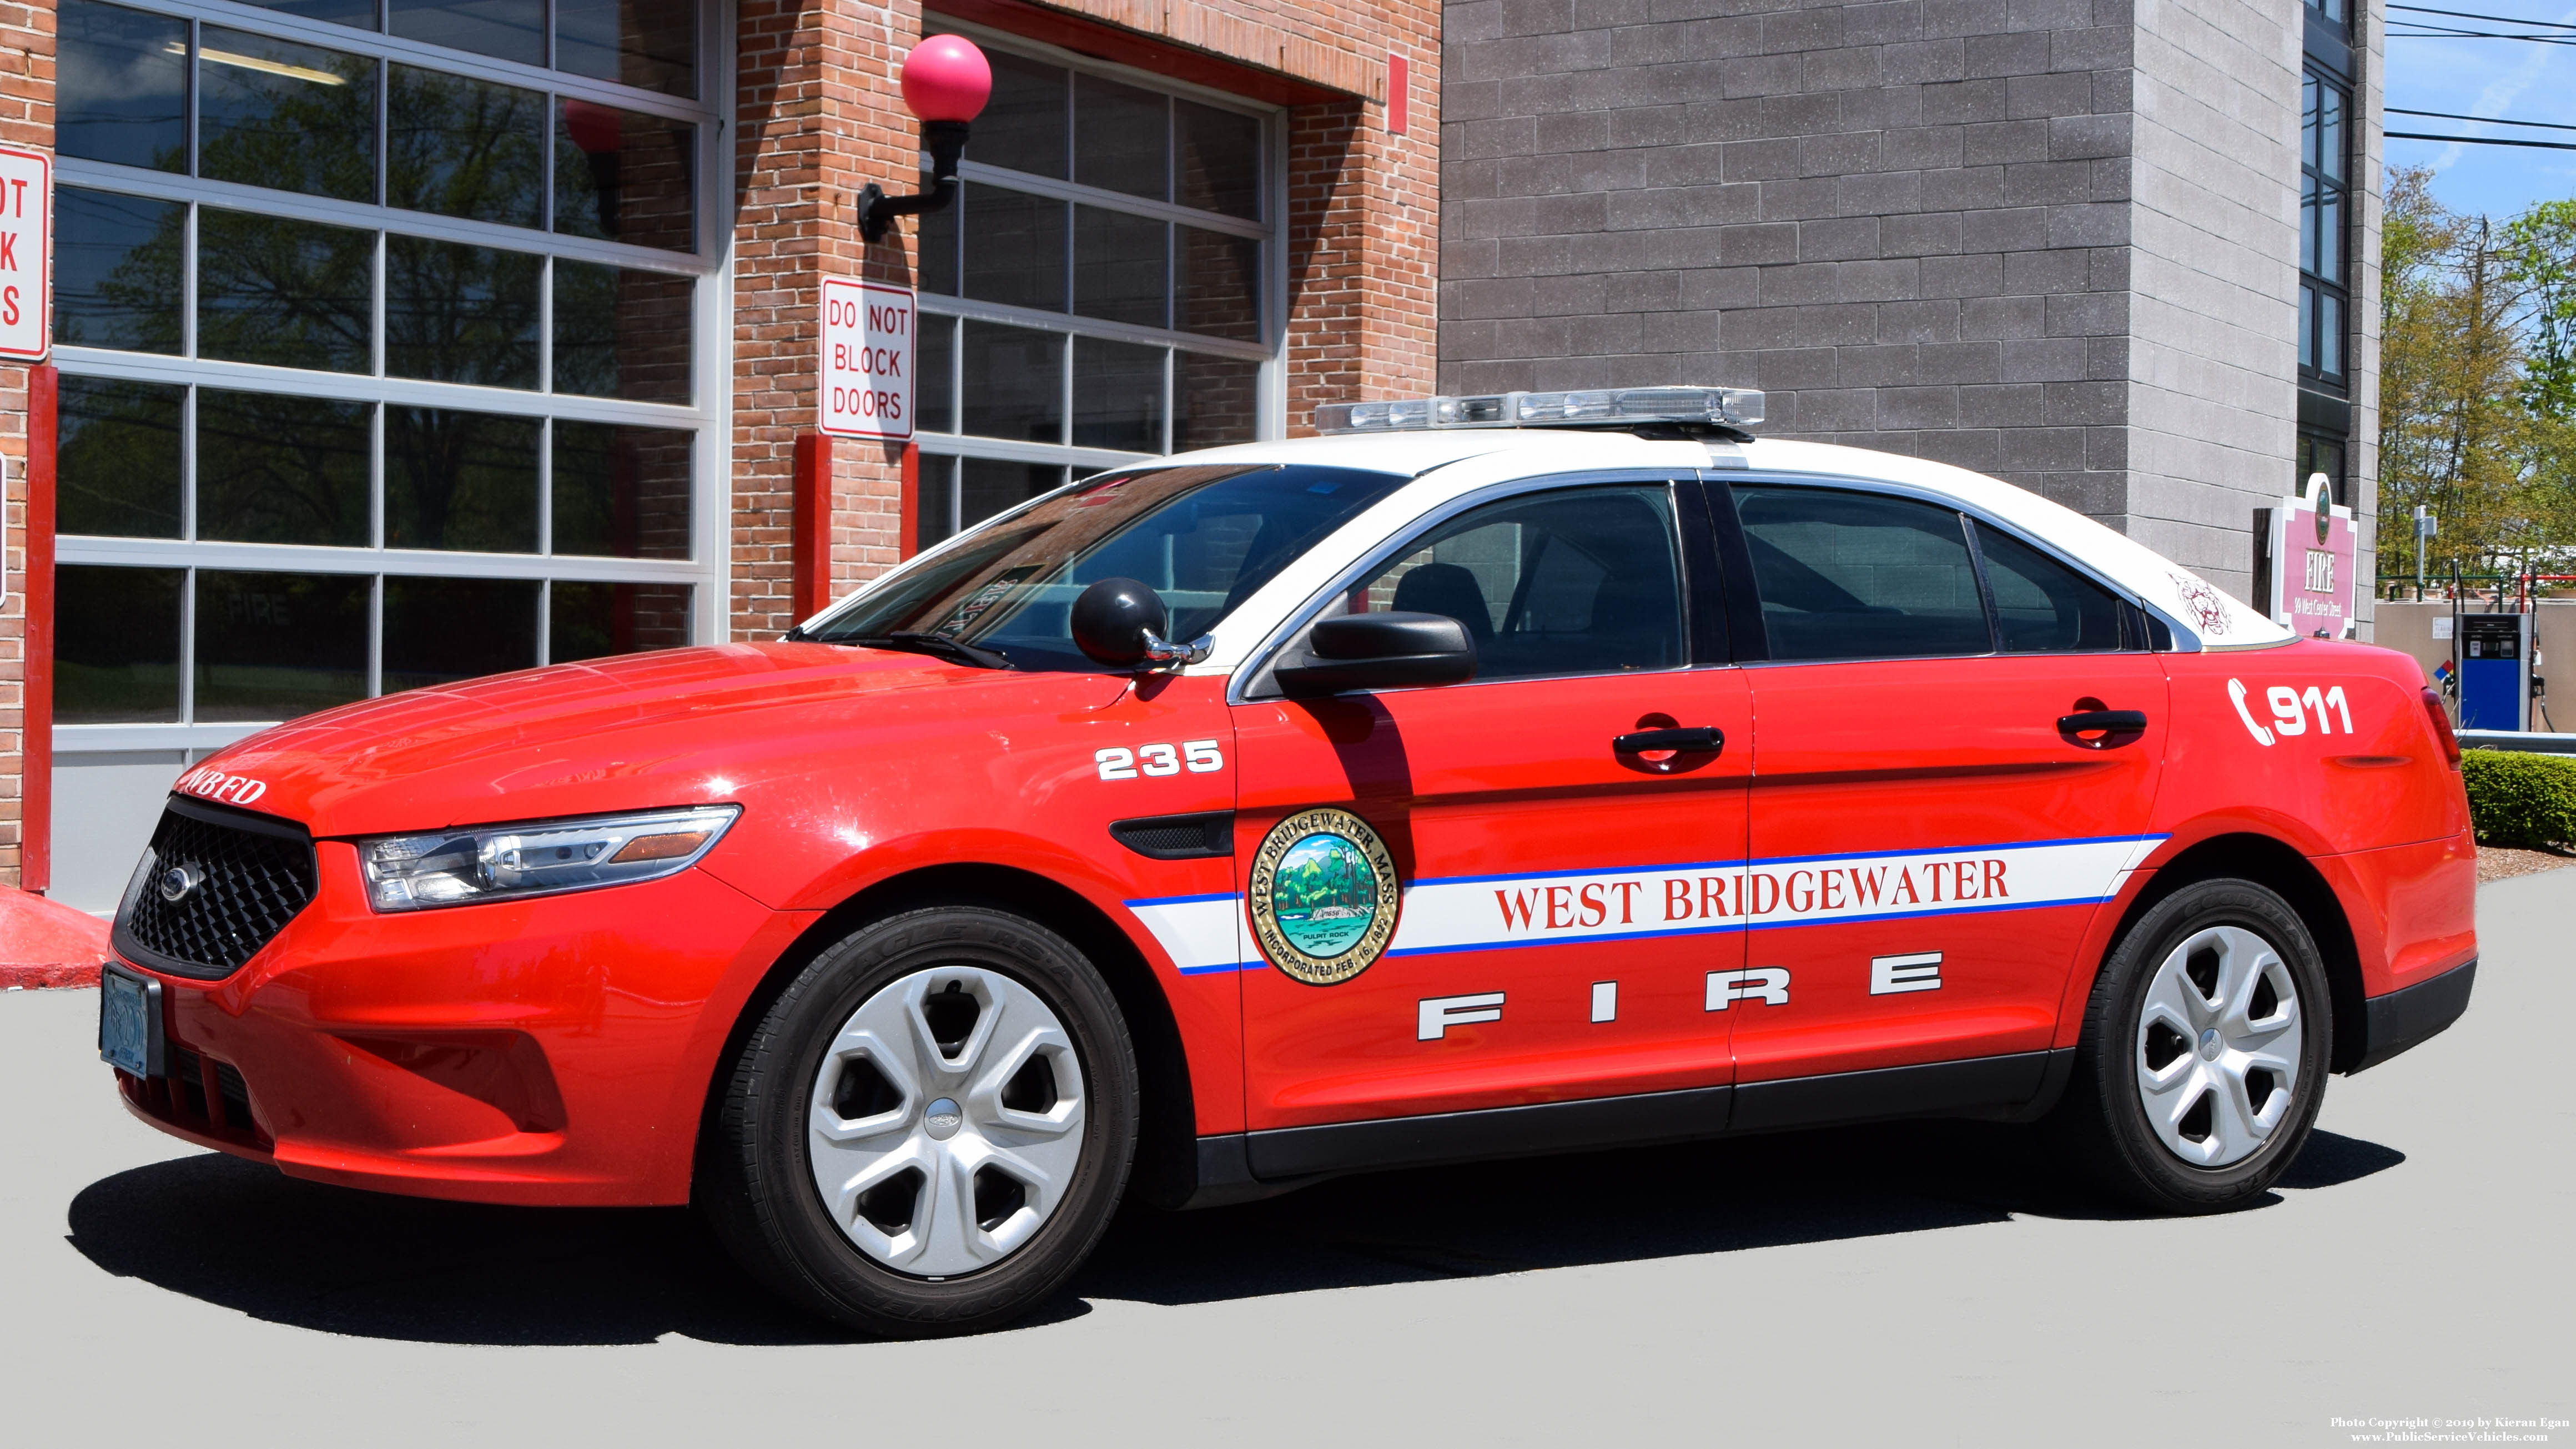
(1182, 900)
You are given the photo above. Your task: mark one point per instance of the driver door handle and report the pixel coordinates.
(2117, 721)
(1702, 740)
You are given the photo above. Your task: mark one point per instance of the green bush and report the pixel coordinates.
(2518, 798)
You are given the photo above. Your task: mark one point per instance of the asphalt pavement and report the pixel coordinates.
(1929, 1283)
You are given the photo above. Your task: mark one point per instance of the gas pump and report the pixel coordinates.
(2495, 671)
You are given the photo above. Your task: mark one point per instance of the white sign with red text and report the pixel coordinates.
(867, 359)
(26, 253)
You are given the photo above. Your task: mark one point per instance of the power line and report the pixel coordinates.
(2473, 15)
(2482, 140)
(2487, 120)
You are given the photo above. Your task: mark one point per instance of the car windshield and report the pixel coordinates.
(1205, 538)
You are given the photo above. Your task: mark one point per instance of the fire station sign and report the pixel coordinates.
(866, 389)
(2313, 553)
(26, 253)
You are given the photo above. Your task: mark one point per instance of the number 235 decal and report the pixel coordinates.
(2290, 710)
(1199, 757)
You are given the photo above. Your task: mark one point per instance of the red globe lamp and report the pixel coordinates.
(946, 82)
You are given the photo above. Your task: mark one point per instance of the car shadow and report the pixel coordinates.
(244, 1237)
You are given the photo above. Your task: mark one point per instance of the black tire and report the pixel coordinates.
(2102, 1124)
(756, 1184)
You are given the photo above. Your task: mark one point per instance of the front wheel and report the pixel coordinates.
(930, 1128)
(2204, 1051)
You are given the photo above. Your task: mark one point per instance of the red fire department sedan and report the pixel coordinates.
(1492, 775)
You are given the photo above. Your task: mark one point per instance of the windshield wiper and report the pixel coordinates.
(937, 646)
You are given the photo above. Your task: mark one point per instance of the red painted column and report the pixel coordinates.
(908, 499)
(36, 715)
(812, 545)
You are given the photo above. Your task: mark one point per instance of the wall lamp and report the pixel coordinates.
(946, 81)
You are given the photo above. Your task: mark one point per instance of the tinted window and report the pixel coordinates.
(2041, 605)
(1861, 576)
(1573, 581)
(122, 86)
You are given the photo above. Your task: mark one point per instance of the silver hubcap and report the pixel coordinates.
(2218, 1046)
(946, 1121)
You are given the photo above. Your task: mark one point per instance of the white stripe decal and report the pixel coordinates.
(1199, 933)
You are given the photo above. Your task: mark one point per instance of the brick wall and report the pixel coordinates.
(26, 120)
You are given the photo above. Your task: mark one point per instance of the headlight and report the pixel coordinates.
(537, 858)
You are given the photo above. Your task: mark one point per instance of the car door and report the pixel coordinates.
(1937, 806)
(1456, 896)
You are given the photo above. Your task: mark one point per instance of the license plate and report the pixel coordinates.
(129, 1022)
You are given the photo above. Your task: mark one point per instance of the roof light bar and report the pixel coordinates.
(1728, 407)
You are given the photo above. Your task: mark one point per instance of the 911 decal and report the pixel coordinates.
(2290, 708)
(1199, 757)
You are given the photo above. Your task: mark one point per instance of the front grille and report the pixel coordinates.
(250, 875)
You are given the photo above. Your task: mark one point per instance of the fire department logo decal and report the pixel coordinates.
(1323, 896)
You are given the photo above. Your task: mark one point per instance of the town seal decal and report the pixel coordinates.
(1323, 896)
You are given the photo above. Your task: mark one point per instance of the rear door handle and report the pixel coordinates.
(1701, 740)
(2117, 721)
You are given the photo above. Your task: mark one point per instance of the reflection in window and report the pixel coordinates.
(295, 117)
(116, 645)
(1014, 383)
(1860, 576)
(934, 381)
(1220, 159)
(986, 486)
(468, 148)
(460, 480)
(935, 250)
(425, 648)
(116, 464)
(1121, 137)
(274, 646)
(1014, 248)
(648, 43)
(1117, 396)
(625, 176)
(360, 13)
(1119, 271)
(1215, 401)
(456, 313)
(1022, 126)
(121, 88)
(278, 469)
(1218, 291)
(622, 333)
(589, 621)
(621, 492)
(116, 270)
(504, 29)
(2041, 605)
(289, 293)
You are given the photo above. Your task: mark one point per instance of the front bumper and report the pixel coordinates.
(551, 1051)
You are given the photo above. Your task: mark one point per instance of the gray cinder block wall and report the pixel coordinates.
(2052, 240)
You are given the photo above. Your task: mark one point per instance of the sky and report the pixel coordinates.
(2507, 79)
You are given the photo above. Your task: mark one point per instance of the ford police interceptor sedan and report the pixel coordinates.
(1448, 786)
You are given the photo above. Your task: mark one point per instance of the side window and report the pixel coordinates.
(1861, 576)
(1571, 581)
(2041, 605)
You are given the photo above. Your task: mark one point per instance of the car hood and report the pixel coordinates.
(681, 727)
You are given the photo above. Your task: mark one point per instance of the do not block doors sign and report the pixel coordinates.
(866, 382)
(26, 253)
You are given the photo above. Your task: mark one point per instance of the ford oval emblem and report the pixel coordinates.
(178, 883)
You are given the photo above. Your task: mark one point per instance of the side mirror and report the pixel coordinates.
(1391, 650)
(1113, 620)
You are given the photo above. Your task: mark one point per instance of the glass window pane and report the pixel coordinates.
(1117, 396)
(986, 486)
(460, 480)
(935, 250)
(1121, 137)
(2308, 224)
(934, 502)
(116, 270)
(2329, 334)
(121, 88)
(2329, 259)
(274, 646)
(622, 333)
(2041, 605)
(648, 43)
(2330, 131)
(625, 176)
(1022, 126)
(1215, 401)
(296, 117)
(440, 631)
(360, 13)
(933, 372)
(116, 645)
(278, 469)
(2308, 121)
(507, 29)
(468, 148)
(460, 314)
(291, 293)
(1861, 576)
(2307, 326)
(1014, 383)
(1219, 288)
(1572, 581)
(116, 465)
(1014, 248)
(587, 621)
(621, 492)
(1220, 159)
(1120, 272)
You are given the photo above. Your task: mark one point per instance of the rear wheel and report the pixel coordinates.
(2203, 1058)
(930, 1128)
